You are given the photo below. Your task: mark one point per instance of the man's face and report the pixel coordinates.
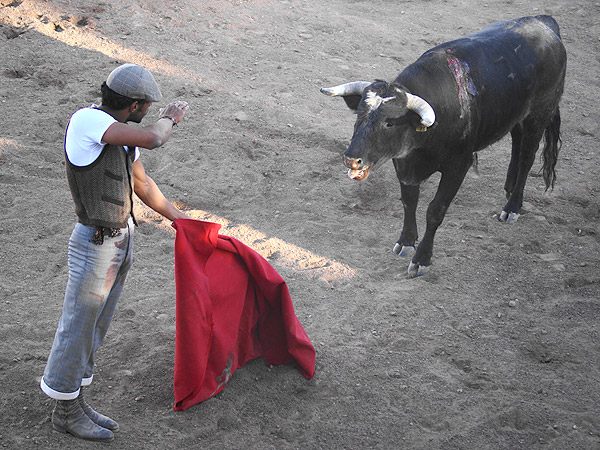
(138, 114)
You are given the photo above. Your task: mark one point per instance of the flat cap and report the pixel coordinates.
(133, 81)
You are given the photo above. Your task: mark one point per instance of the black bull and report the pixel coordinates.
(455, 100)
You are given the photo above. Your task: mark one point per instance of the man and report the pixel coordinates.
(103, 169)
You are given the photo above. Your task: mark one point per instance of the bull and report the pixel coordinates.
(453, 101)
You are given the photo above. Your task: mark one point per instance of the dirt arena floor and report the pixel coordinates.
(496, 347)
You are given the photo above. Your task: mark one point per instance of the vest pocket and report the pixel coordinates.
(114, 176)
(114, 201)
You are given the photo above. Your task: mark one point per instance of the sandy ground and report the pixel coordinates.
(497, 347)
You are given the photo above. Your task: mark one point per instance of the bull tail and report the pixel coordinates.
(551, 149)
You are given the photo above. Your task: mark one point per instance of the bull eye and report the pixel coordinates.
(395, 121)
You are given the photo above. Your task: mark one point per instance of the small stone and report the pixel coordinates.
(512, 303)
(548, 257)
(240, 116)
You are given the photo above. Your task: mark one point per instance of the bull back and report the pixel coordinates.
(481, 85)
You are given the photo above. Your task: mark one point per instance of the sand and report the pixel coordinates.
(496, 347)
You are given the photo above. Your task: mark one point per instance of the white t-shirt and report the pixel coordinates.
(83, 142)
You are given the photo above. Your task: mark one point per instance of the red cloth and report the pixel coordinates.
(231, 307)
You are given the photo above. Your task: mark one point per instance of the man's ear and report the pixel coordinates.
(134, 106)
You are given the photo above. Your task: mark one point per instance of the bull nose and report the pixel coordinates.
(353, 163)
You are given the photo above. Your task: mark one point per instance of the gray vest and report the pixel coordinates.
(102, 191)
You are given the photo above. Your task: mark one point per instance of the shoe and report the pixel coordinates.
(68, 417)
(97, 418)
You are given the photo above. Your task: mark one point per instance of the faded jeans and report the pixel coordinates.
(96, 277)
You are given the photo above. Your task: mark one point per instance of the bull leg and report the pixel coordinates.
(529, 144)
(450, 182)
(513, 167)
(408, 236)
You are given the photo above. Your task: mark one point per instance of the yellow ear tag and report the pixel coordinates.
(421, 129)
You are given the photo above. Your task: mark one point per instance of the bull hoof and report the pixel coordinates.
(508, 217)
(403, 250)
(416, 270)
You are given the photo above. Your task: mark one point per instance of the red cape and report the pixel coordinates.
(231, 307)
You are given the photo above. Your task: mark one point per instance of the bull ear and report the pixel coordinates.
(352, 101)
(350, 92)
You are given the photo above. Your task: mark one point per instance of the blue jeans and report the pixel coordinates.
(96, 277)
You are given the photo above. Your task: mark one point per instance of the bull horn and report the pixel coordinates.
(354, 88)
(422, 108)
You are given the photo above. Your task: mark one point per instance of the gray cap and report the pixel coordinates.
(133, 81)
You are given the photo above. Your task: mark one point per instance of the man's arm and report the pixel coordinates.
(150, 137)
(148, 192)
